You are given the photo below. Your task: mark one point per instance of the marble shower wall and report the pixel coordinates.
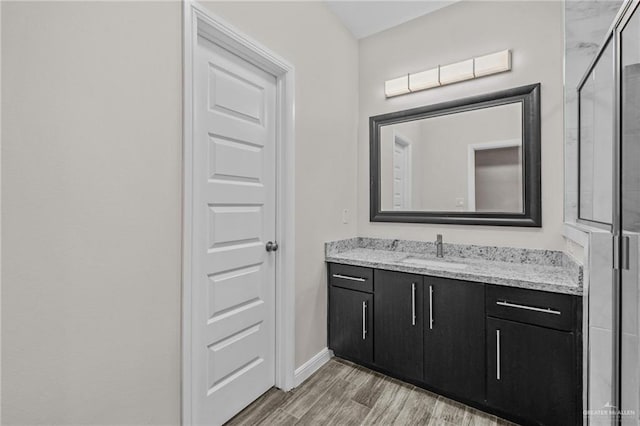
(586, 24)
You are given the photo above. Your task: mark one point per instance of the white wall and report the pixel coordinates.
(91, 178)
(534, 32)
(325, 56)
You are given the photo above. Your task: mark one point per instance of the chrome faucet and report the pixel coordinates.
(439, 246)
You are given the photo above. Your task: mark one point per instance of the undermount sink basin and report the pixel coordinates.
(433, 263)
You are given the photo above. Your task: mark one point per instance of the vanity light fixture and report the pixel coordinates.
(424, 80)
(397, 86)
(446, 74)
(493, 63)
(460, 71)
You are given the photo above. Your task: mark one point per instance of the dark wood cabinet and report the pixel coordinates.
(531, 372)
(350, 328)
(398, 322)
(513, 352)
(454, 337)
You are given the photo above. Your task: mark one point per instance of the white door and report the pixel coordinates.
(234, 193)
(401, 173)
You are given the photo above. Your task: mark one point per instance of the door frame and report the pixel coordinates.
(197, 20)
(471, 165)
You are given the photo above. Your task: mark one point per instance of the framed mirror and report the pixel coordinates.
(473, 161)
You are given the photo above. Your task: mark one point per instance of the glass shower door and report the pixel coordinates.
(629, 214)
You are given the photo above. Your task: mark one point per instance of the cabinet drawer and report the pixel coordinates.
(351, 277)
(542, 308)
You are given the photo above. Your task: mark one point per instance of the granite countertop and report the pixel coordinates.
(531, 269)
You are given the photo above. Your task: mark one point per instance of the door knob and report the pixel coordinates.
(271, 246)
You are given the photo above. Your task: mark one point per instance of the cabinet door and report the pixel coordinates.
(350, 321)
(531, 372)
(454, 339)
(398, 323)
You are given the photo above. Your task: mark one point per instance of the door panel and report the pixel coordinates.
(233, 341)
(531, 372)
(350, 324)
(454, 351)
(398, 333)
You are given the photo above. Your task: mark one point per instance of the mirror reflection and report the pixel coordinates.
(469, 161)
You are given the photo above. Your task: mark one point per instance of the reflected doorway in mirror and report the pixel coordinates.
(495, 176)
(402, 181)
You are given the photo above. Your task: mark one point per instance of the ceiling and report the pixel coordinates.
(366, 17)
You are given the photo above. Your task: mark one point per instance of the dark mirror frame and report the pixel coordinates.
(529, 96)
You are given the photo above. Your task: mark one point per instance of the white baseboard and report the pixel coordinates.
(305, 371)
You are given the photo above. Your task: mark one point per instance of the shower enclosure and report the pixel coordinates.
(609, 200)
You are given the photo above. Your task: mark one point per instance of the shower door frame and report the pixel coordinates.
(620, 241)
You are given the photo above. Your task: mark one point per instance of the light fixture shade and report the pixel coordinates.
(424, 80)
(493, 63)
(397, 86)
(459, 71)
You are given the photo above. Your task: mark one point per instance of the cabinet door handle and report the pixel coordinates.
(497, 354)
(346, 277)
(624, 264)
(364, 320)
(620, 252)
(413, 303)
(528, 308)
(430, 307)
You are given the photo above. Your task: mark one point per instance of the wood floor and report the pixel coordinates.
(342, 393)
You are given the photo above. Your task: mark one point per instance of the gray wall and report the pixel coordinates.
(91, 154)
(91, 197)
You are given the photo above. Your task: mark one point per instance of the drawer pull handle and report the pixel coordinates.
(346, 277)
(528, 308)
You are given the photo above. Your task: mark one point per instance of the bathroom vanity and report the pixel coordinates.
(495, 328)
